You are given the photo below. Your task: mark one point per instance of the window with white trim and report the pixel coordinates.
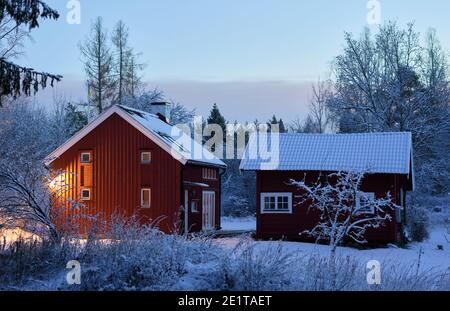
(85, 157)
(85, 194)
(364, 202)
(146, 198)
(210, 173)
(146, 157)
(276, 203)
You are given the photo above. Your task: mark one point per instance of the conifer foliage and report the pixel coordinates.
(15, 79)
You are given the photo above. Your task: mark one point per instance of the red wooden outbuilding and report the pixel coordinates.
(131, 163)
(386, 156)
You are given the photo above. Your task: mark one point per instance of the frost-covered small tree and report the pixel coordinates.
(179, 114)
(343, 209)
(66, 120)
(143, 101)
(25, 196)
(319, 114)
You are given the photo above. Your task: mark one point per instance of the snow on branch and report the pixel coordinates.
(345, 211)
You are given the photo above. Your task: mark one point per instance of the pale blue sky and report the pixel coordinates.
(252, 57)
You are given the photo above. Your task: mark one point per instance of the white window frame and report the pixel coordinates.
(142, 198)
(370, 195)
(83, 198)
(276, 195)
(142, 157)
(83, 154)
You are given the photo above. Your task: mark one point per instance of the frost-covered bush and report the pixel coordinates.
(25, 261)
(252, 269)
(437, 207)
(417, 224)
(132, 258)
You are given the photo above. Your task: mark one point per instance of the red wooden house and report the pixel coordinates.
(135, 164)
(387, 156)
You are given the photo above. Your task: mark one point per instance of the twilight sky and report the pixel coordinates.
(253, 58)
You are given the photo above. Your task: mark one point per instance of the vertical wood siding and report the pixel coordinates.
(192, 173)
(301, 219)
(118, 176)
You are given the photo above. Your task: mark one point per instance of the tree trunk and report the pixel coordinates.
(332, 268)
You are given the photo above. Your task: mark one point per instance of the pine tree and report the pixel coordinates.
(215, 117)
(98, 63)
(16, 80)
(280, 123)
(75, 120)
(133, 77)
(122, 58)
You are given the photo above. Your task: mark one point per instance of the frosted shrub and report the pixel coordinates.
(133, 257)
(315, 273)
(24, 261)
(417, 224)
(268, 268)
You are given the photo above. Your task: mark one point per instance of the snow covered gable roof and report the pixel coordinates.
(389, 153)
(181, 146)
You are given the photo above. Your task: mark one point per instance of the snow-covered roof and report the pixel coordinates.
(375, 152)
(181, 146)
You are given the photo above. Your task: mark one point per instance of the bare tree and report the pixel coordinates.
(122, 57)
(343, 209)
(392, 81)
(134, 83)
(24, 196)
(319, 113)
(12, 39)
(98, 63)
(179, 114)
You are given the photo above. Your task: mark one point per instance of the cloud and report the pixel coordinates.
(238, 100)
(242, 100)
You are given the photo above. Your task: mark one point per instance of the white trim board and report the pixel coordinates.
(99, 120)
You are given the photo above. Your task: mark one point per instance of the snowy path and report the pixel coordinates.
(238, 224)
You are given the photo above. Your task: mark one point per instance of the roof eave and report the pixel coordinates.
(99, 120)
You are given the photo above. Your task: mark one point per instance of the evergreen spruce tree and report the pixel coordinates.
(215, 117)
(98, 63)
(75, 120)
(16, 80)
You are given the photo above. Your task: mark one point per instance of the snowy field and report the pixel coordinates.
(431, 256)
(136, 259)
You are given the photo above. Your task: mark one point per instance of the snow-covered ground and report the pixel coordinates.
(238, 224)
(431, 257)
